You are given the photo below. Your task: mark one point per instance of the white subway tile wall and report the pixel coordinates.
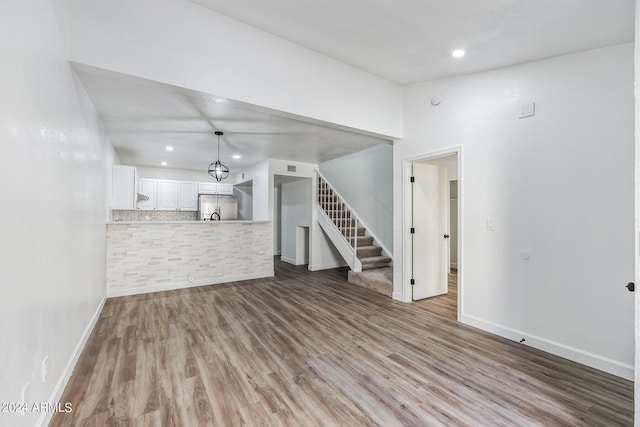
(121, 215)
(150, 257)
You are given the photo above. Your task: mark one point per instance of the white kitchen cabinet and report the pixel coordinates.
(124, 186)
(226, 189)
(167, 195)
(207, 187)
(215, 188)
(187, 196)
(147, 187)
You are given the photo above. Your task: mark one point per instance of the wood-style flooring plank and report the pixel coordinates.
(308, 349)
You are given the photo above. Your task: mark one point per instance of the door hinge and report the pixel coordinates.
(413, 282)
(412, 179)
(412, 231)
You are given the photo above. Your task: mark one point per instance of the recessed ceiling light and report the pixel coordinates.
(164, 163)
(169, 148)
(458, 53)
(236, 156)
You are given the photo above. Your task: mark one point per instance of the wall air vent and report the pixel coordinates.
(291, 168)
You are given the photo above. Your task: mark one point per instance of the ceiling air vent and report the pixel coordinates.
(291, 168)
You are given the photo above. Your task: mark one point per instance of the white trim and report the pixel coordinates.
(327, 266)
(610, 366)
(338, 239)
(56, 393)
(277, 253)
(385, 250)
(120, 292)
(459, 264)
(288, 260)
(406, 219)
(399, 297)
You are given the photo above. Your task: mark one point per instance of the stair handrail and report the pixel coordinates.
(351, 217)
(352, 211)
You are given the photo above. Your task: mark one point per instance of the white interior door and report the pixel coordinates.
(430, 222)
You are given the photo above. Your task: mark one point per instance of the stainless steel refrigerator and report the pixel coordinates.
(226, 207)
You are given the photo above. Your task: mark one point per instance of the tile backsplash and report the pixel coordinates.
(139, 215)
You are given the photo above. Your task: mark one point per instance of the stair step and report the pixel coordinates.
(362, 241)
(375, 260)
(377, 279)
(369, 251)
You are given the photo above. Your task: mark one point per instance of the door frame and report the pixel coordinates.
(407, 257)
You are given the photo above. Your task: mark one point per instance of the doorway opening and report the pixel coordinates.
(292, 203)
(433, 263)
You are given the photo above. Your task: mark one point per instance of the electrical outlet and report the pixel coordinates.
(23, 393)
(527, 110)
(45, 369)
(24, 396)
(491, 224)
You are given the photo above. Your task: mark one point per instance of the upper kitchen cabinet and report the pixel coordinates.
(124, 185)
(187, 196)
(176, 195)
(167, 195)
(147, 188)
(207, 187)
(215, 188)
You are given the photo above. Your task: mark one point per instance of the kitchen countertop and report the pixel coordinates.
(186, 222)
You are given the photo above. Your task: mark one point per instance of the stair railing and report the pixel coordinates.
(339, 212)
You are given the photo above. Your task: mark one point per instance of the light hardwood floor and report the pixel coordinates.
(308, 349)
(444, 305)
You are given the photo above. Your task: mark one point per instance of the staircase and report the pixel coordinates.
(370, 264)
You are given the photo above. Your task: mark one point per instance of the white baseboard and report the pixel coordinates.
(288, 260)
(56, 394)
(399, 297)
(605, 364)
(277, 253)
(314, 267)
(121, 292)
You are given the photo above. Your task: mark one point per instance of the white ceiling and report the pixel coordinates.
(142, 117)
(404, 41)
(409, 41)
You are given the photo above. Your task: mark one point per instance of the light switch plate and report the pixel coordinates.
(491, 224)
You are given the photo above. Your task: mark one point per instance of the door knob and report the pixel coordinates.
(446, 236)
(631, 286)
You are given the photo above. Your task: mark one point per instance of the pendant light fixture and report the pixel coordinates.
(217, 169)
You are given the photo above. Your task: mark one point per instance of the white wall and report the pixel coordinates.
(560, 185)
(322, 253)
(56, 160)
(365, 180)
(190, 46)
(262, 187)
(297, 201)
(277, 219)
(637, 219)
(244, 193)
